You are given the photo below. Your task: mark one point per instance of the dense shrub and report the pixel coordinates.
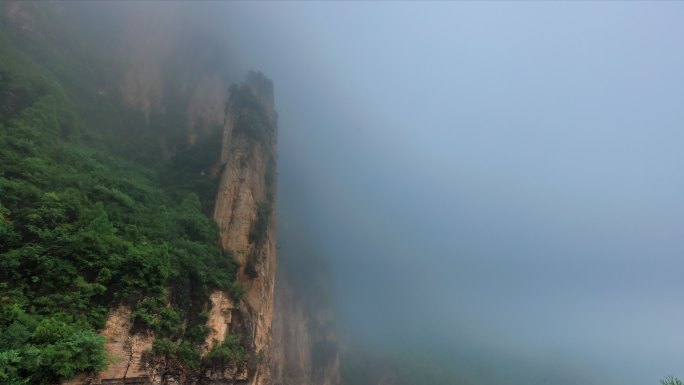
(83, 230)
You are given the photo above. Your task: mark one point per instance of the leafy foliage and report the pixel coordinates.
(252, 120)
(45, 349)
(226, 352)
(671, 380)
(83, 230)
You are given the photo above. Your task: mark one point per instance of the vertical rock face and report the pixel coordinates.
(304, 342)
(304, 350)
(176, 77)
(244, 212)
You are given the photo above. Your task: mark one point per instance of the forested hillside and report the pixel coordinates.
(96, 210)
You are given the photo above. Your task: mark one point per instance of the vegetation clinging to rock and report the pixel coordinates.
(83, 230)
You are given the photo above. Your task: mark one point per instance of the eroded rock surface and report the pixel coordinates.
(244, 211)
(126, 349)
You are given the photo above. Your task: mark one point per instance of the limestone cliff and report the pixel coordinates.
(172, 81)
(304, 342)
(244, 212)
(168, 85)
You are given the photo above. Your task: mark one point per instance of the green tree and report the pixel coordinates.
(671, 380)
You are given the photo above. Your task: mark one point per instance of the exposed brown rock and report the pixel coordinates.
(220, 317)
(125, 348)
(244, 212)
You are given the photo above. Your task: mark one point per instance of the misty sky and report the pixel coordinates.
(510, 171)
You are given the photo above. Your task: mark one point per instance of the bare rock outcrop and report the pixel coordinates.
(244, 211)
(125, 348)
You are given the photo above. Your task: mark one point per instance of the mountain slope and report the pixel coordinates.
(112, 265)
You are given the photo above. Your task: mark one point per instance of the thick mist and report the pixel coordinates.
(485, 177)
(507, 174)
